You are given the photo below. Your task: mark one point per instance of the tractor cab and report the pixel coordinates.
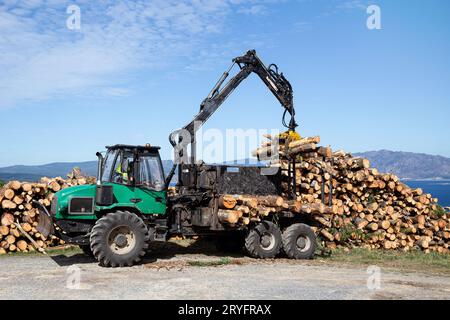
(131, 177)
(134, 166)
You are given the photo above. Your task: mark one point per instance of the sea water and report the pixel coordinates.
(438, 188)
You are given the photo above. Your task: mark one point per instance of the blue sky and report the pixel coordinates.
(135, 71)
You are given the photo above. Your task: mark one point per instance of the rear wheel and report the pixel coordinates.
(299, 241)
(264, 241)
(119, 239)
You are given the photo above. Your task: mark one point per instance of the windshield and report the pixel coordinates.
(150, 172)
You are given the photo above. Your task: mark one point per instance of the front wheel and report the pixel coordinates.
(263, 241)
(299, 241)
(119, 239)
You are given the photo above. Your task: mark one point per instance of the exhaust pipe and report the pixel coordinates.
(104, 194)
(99, 168)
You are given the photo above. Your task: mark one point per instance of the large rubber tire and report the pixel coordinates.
(87, 250)
(109, 249)
(299, 241)
(263, 241)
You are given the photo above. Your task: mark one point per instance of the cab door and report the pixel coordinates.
(150, 192)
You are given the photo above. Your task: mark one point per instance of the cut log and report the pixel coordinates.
(327, 235)
(271, 201)
(323, 221)
(250, 202)
(54, 185)
(7, 219)
(243, 209)
(385, 224)
(229, 216)
(9, 194)
(4, 230)
(265, 152)
(325, 152)
(304, 141)
(26, 227)
(10, 239)
(18, 200)
(306, 148)
(372, 226)
(22, 245)
(359, 163)
(15, 185)
(227, 202)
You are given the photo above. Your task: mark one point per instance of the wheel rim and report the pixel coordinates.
(267, 241)
(121, 240)
(303, 243)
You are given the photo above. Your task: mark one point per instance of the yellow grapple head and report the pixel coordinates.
(289, 135)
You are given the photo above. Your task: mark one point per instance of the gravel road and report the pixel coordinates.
(38, 276)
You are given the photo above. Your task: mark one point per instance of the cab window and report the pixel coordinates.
(151, 172)
(123, 168)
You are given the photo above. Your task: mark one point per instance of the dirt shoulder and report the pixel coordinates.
(186, 270)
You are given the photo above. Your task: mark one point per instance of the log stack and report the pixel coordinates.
(367, 208)
(18, 216)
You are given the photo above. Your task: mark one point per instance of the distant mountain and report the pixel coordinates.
(406, 165)
(57, 169)
(409, 165)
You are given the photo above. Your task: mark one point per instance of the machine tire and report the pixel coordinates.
(299, 241)
(119, 239)
(232, 243)
(87, 250)
(263, 241)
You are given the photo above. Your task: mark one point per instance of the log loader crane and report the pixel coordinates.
(129, 207)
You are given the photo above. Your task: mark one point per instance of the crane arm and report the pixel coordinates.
(248, 63)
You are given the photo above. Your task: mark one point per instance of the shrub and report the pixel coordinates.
(439, 212)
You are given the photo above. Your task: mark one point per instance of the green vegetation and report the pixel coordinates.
(439, 211)
(414, 260)
(2, 183)
(210, 263)
(371, 199)
(349, 232)
(67, 250)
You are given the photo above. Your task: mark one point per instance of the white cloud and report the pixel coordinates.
(352, 4)
(254, 10)
(41, 59)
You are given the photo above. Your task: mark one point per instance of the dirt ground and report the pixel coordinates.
(175, 271)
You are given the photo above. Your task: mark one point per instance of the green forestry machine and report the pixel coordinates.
(129, 207)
